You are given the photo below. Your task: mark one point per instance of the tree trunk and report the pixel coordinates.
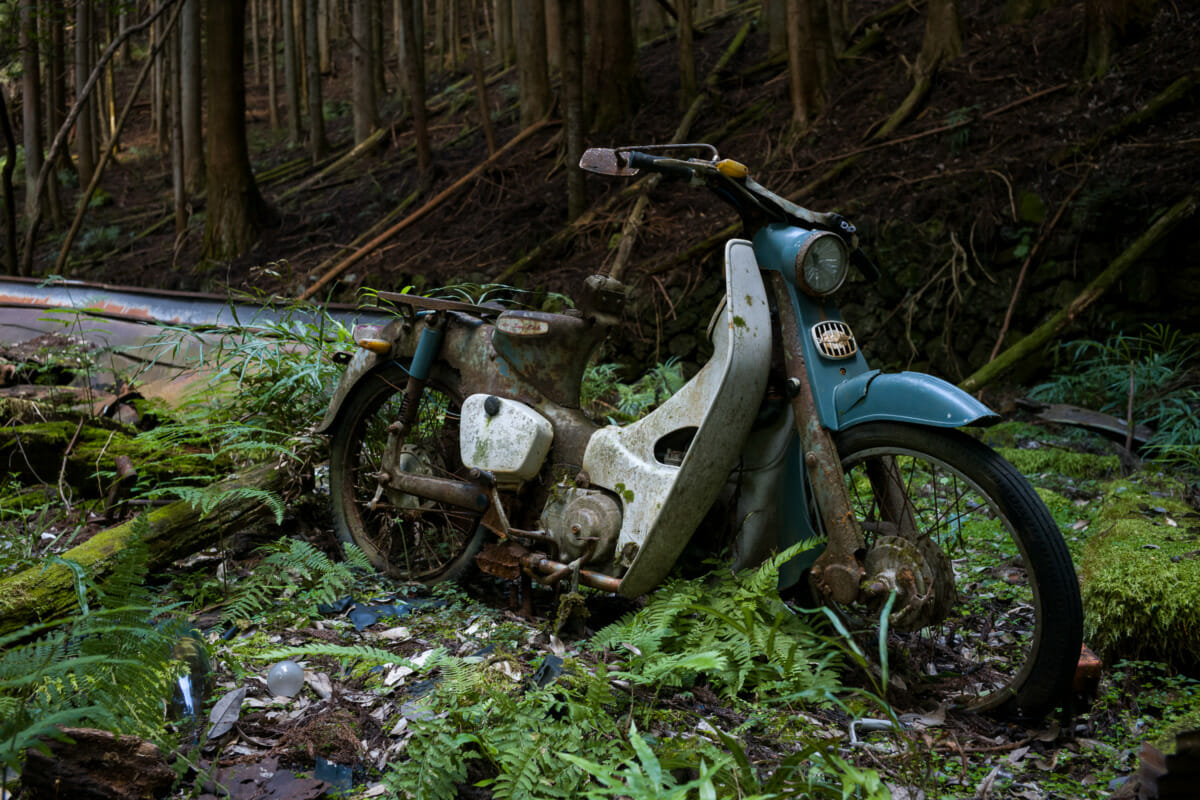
(190, 97)
(943, 35)
(297, 10)
(50, 31)
(571, 35)
(505, 40)
(401, 59)
(1106, 23)
(178, 146)
(31, 101)
(291, 72)
(377, 55)
(532, 70)
(775, 14)
(174, 531)
(323, 35)
(414, 70)
(318, 144)
(158, 104)
(553, 40)
(366, 114)
(56, 81)
(942, 42)
(236, 211)
(272, 78)
(108, 89)
(481, 92)
(614, 86)
(687, 58)
(6, 186)
(85, 144)
(255, 6)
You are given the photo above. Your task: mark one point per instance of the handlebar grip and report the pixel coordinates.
(663, 166)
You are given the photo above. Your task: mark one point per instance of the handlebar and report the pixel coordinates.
(670, 167)
(757, 205)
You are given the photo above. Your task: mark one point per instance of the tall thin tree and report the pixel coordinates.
(84, 140)
(414, 70)
(190, 100)
(571, 52)
(318, 145)
(291, 71)
(272, 60)
(532, 67)
(614, 86)
(366, 110)
(236, 210)
(31, 101)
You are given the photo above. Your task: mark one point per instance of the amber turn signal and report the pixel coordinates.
(732, 169)
(379, 346)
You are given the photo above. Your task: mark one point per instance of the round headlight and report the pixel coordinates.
(822, 263)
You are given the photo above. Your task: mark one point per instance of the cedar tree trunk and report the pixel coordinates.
(236, 211)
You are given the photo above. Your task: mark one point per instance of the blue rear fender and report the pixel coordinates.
(912, 397)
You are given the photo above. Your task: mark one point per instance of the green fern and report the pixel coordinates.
(732, 629)
(107, 666)
(295, 569)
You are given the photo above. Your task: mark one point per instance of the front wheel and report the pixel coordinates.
(1000, 625)
(408, 537)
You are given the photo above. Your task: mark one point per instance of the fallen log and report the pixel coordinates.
(1035, 341)
(444, 195)
(47, 592)
(96, 764)
(76, 452)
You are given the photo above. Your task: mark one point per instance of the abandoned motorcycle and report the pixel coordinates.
(457, 437)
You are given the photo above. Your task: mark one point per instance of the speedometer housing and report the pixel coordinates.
(822, 263)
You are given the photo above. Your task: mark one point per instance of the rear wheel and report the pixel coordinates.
(409, 538)
(998, 624)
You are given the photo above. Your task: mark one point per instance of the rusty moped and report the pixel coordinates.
(457, 438)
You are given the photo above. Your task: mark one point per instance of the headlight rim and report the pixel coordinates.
(805, 248)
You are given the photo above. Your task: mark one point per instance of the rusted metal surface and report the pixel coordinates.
(543, 568)
(1087, 673)
(510, 560)
(838, 571)
(193, 309)
(442, 490)
(501, 560)
(438, 304)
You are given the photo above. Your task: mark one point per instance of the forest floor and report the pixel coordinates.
(951, 206)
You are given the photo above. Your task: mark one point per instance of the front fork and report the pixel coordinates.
(838, 572)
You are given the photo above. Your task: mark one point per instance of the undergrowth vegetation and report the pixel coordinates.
(1149, 378)
(110, 665)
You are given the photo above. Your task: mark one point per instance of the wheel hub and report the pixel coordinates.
(920, 575)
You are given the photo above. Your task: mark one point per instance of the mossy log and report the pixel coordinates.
(47, 592)
(1140, 579)
(38, 452)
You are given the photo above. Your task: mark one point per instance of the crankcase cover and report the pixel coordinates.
(507, 438)
(582, 521)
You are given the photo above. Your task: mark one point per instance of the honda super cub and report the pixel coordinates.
(458, 438)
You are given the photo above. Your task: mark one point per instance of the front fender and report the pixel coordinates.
(905, 397)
